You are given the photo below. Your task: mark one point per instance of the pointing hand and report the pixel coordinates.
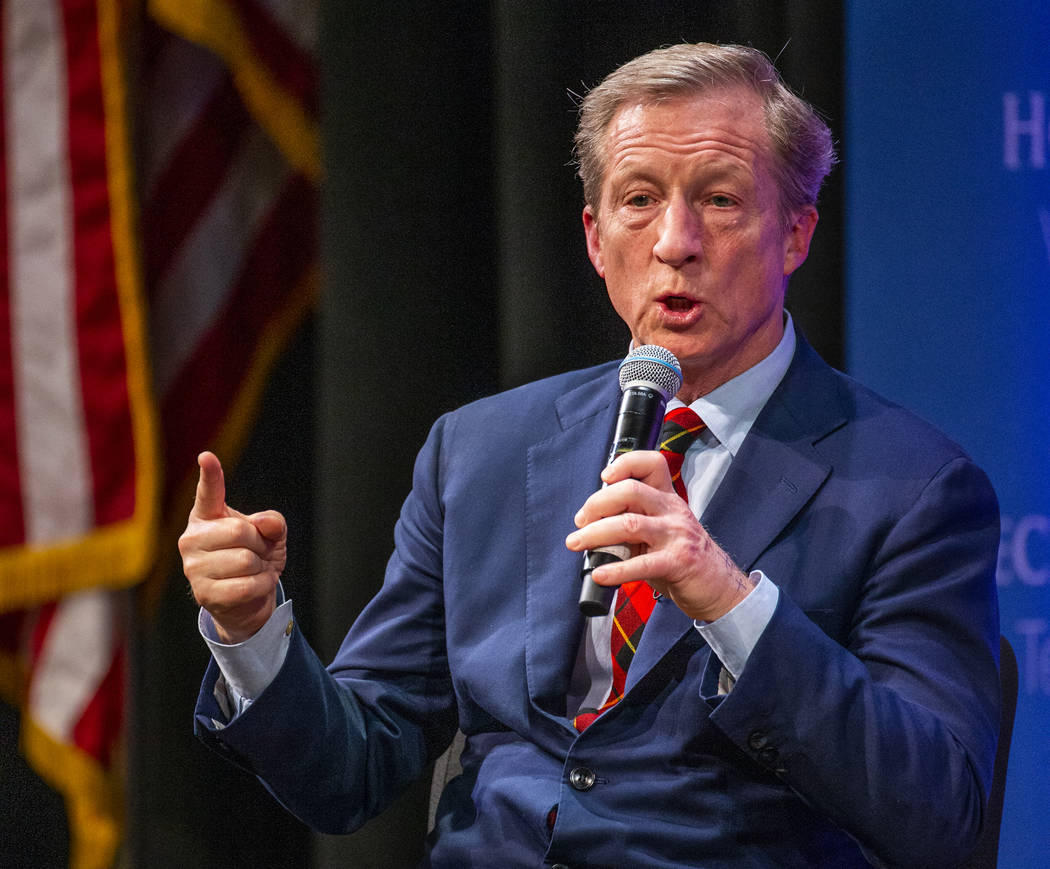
(232, 561)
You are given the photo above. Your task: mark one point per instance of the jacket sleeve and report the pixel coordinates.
(337, 745)
(892, 733)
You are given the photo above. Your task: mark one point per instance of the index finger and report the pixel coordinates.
(646, 466)
(210, 502)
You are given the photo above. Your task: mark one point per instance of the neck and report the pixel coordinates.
(700, 377)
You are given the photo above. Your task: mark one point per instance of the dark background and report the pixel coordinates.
(454, 266)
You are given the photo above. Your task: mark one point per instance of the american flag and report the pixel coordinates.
(78, 497)
(196, 251)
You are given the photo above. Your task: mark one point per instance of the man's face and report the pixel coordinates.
(689, 236)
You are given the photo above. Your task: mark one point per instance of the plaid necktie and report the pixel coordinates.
(635, 600)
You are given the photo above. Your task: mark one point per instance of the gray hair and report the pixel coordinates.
(803, 151)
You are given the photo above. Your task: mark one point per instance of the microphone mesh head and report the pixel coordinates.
(652, 365)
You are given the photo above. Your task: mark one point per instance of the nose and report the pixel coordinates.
(678, 242)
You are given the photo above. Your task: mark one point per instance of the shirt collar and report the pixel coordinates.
(730, 410)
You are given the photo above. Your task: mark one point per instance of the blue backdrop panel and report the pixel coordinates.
(948, 290)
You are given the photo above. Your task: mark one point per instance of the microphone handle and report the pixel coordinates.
(637, 428)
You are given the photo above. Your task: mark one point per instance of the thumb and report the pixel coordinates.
(210, 502)
(270, 524)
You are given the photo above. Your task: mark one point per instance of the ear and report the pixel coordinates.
(798, 237)
(594, 243)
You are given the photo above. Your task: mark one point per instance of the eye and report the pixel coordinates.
(720, 200)
(640, 200)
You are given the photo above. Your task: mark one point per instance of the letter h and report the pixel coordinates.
(1013, 128)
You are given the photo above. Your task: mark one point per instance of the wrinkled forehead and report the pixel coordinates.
(730, 121)
(733, 116)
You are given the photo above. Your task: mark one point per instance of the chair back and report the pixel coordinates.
(986, 856)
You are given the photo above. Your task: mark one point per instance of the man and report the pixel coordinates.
(817, 681)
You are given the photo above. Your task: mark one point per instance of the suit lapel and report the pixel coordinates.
(770, 480)
(776, 472)
(562, 472)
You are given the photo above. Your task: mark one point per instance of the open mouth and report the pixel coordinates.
(677, 303)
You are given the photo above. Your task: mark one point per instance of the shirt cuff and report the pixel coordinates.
(734, 635)
(249, 667)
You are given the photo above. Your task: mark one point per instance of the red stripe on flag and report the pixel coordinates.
(41, 625)
(198, 400)
(12, 525)
(294, 70)
(103, 369)
(192, 177)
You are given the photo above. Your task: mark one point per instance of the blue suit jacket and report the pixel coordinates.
(862, 728)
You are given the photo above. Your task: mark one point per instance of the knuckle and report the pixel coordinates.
(228, 595)
(246, 562)
(188, 541)
(627, 492)
(233, 526)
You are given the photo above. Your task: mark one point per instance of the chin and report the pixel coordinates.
(685, 349)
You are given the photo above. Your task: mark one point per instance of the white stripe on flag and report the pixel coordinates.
(53, 460)
(77, 653)
(195, 288)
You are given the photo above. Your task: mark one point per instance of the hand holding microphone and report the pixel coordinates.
(649, 376)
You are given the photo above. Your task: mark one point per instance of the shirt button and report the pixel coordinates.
(582, 778)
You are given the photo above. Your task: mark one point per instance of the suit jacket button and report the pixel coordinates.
(582, 778)
(559, 866)
(758, 740)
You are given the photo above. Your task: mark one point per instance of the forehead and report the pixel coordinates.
(726, 125)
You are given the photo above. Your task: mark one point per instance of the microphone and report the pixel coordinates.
(649, 376)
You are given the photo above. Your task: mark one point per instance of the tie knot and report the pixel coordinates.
(681, 427)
